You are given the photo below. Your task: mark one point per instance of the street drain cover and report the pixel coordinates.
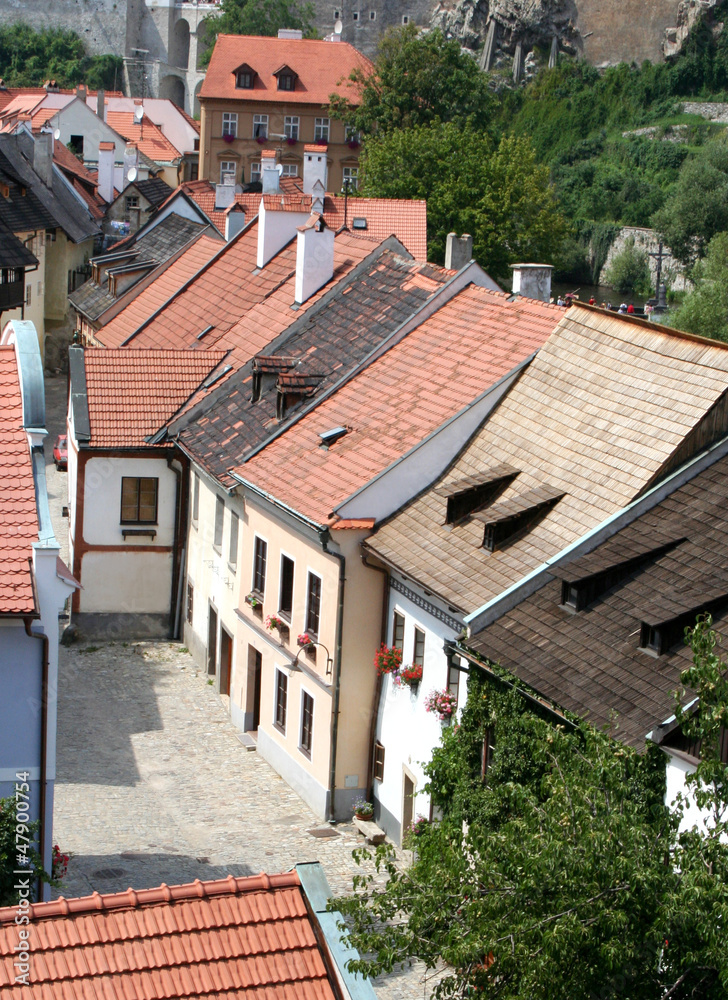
(103, 873)
(324, 831)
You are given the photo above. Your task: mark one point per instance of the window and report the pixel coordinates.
(321, 130)
(351, 177)
(138, 500)
(286, 81)
(76, 145)
(260, 126)
(195, 497)
(291, 124)
(306, 724)
(372, 15)
(337, 15)
(190, 601)
(228, 167)
(260, 559)
(131, 201)
(378, 761)
(219, 518)
(351, 134)
(398, 630)
(230, 123)
(355, 15)
(313, 604)
(486, 752)
(290, 170)
(255, 172)
(28, 295)
(405, 19)
(234, 529)
(244, 79)
(281, 700)
(285, 602)
(453, 676)
(419, 652)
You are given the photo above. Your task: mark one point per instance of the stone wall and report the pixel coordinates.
(646, 239)
(102, 24)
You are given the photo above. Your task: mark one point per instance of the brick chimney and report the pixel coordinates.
(43, 157)
(315, 167)
(314, 257)
(105, 180)
(458, 251)
(269, 171)
(533, 281)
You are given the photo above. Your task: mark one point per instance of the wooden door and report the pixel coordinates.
(226, 660)
(408, 803)
(212, 641)
(255, 670)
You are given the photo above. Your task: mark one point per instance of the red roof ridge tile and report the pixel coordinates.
(134, 898)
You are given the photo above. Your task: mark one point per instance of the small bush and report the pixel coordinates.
(629, 270)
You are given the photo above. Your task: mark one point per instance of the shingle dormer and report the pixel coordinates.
(245, 77)
(504, 520)
(472, 493)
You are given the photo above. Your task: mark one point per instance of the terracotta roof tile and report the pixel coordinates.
(122, 410)
(400, 217)
(215, 938)
(145, 135)
(321, 68)
(18, 516)
(467, 345)
(602, 411)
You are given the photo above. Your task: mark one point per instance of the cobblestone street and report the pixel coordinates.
(154, 786)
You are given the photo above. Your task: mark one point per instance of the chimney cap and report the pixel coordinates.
(107, 145)
(524, 267)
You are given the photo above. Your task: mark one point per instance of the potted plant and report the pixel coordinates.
(291, 141)
(353, 144)
(363, 809)
(442, 704)
(387, 659)
(60, 864)
(275, 624)
(304, 640)
(252, 600)
(228, 137)
(411, 675)
(262, 139)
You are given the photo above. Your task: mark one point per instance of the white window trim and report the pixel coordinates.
(288, 555)
(267, 559)
(281, 731)
(312, 572)
(231, 119)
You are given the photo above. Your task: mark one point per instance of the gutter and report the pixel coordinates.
(175, 596)
(43, 747)
(378, 686)
(325, 538)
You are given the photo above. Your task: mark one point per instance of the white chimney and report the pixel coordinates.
(270, 171)
(101, 105)
(314, 257)
(225, 193)
(131, 160)
(276, 228)
(107, 154)
(533, 281)
(43, 157)
(292, 34)
(234, 221)
(458, 251)
(315, 167)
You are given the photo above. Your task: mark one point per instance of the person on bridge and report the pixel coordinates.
(630, 308)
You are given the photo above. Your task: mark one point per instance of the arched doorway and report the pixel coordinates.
(179, 44)
(173, 88)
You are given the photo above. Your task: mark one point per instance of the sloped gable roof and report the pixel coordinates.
(597, 414)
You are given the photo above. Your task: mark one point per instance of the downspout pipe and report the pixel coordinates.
(43, 749)
(378, 688)
(175, 598)
(325, 538)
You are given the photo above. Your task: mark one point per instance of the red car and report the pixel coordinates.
(60, 452)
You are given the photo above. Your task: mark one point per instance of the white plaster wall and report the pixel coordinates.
(134, 582)
(102, 501)
(78, 119)
(676, 771)
(409, 733)
(275, 229)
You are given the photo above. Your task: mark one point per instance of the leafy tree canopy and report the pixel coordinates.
(9, 860)
(28, 58)
(417, 79)
(697, 208)
(704, 310)
(629, 270)
(563, 875)
(495, 192)
(260, 17)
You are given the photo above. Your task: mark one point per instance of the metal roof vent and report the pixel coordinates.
(331, 437)
(359, 222)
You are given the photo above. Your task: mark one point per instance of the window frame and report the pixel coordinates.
(321, 131)
(230, 118)
(287, 613)
(256, 172)
(233, 541)
(195, 498)
(398, 626)
(419, 657)
(290, 79)
(306, 724)
(352, 178)
(219, 523)
(311, 593)
(260, 126)
(223, 171)
(453, 677)
(241, 76)
(378, 758)
(189, 601)
(280, 702)
(260, 558)
(289, 170)
(292, 126)
(139, 480)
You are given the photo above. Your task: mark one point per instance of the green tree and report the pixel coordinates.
(416, 79)
(562, 875)
(697, 208)
(260, 17)
(9, 853)
(495, 192)
(28, 58)
(629, 270)
(704, 310)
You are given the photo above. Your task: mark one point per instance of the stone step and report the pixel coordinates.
(370, 830)
(249, 741)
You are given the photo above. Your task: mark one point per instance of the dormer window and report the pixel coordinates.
(465, 496)
(505, 520)
(245, 77)
(663, 623)
(286, 78)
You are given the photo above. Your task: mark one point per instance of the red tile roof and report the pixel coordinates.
(18, 515)
(430, 375)
(166, 284)
(218, 939)
(122, 409)
(400, 217)
(321, 67)
(149, 139)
